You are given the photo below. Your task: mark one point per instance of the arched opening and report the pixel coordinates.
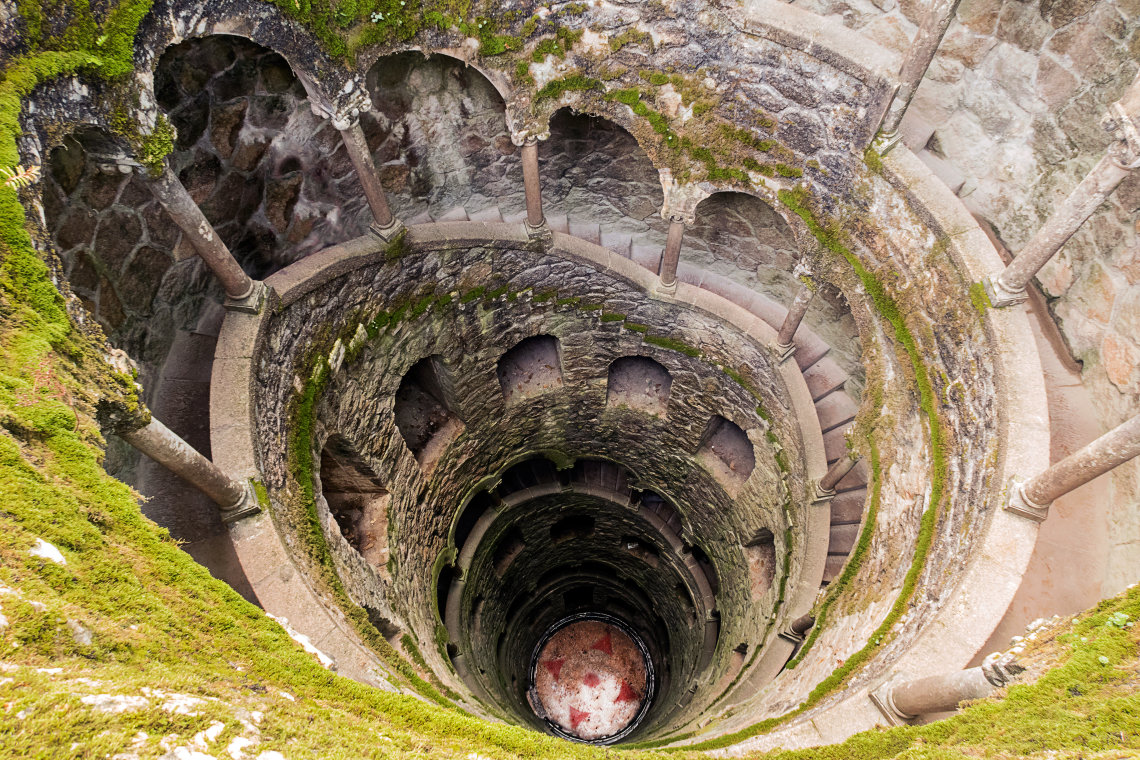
(640, 383)
(251, 153)
(726, 453)
(761, 555)
(357, 501)
(439, 138)
(422, 412)
(533, 367)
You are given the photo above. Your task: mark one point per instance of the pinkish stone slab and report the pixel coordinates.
(591, 679)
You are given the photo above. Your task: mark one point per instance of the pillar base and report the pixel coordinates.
(821, 495)
(246, 506)
(1000, 296)
(783, 353)
(663, 289)
(252, 302)
(884, 142)
(1020, 504)
(787, 634)
(387, 233)
(881, 697)
(539, 234)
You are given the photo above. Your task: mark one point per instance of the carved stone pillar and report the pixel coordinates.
(1033, 497)
(680, 208)
(1123, 121)
(536, 227)
(825, 488)
(796, 631)
(346, 120)
(671, 256)
(235, 498)
(531, 184)
(785, 340)
(918, 58)
(243, 293)
(901, 702)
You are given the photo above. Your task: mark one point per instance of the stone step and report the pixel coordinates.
(834, 444)
(515, 218)
(591, 232)
(824, 377)
(423, 217)
(557, 223)
(858, 478)
(916, 131)
(457, 214)
(810, 348)
(648, 256)
(833, 567)
(842, 539)
(835, 409)
(618, 242)
(847, 507)
(491, 214)
(944, 170)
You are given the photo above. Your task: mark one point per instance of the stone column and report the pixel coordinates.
(243, 293)
(825, 488)
(1033, 497)
(785, 343)
(907, 700)
(918, 58)
(235, 498)
(671, 256)
(347, 121)
(796, 631)
(531, 184)
(1123, 121)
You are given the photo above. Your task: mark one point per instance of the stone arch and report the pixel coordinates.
(265, 170)
(531, 368)
(639, 382)
(594, 169)
(727, 453)
(423, 410)
(439, 136)
(742, 227)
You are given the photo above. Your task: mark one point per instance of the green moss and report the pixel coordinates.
(672, 345)
(612, 317)
(574, 83)
(873, 160)
(980, 299)
(473, 294)
(637, 327)
(631, 36)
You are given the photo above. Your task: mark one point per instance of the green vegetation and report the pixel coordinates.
(1085, 706)
(980, 299)
(574, 83)
(631, 36)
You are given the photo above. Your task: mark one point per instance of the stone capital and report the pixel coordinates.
(528, 136)
(681, 200)
(1122, 121)
(343, 108)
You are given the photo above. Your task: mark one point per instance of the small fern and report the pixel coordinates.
(18, 176)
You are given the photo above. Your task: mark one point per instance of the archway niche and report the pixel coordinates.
(639, 382)
(533, 367)
(439, 138)
(596, 175)
(423, 412)
(357, 501)
(727, 454)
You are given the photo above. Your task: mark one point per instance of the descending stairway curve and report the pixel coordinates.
(826, 380)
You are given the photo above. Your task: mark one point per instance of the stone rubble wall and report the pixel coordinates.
(1008, 116)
